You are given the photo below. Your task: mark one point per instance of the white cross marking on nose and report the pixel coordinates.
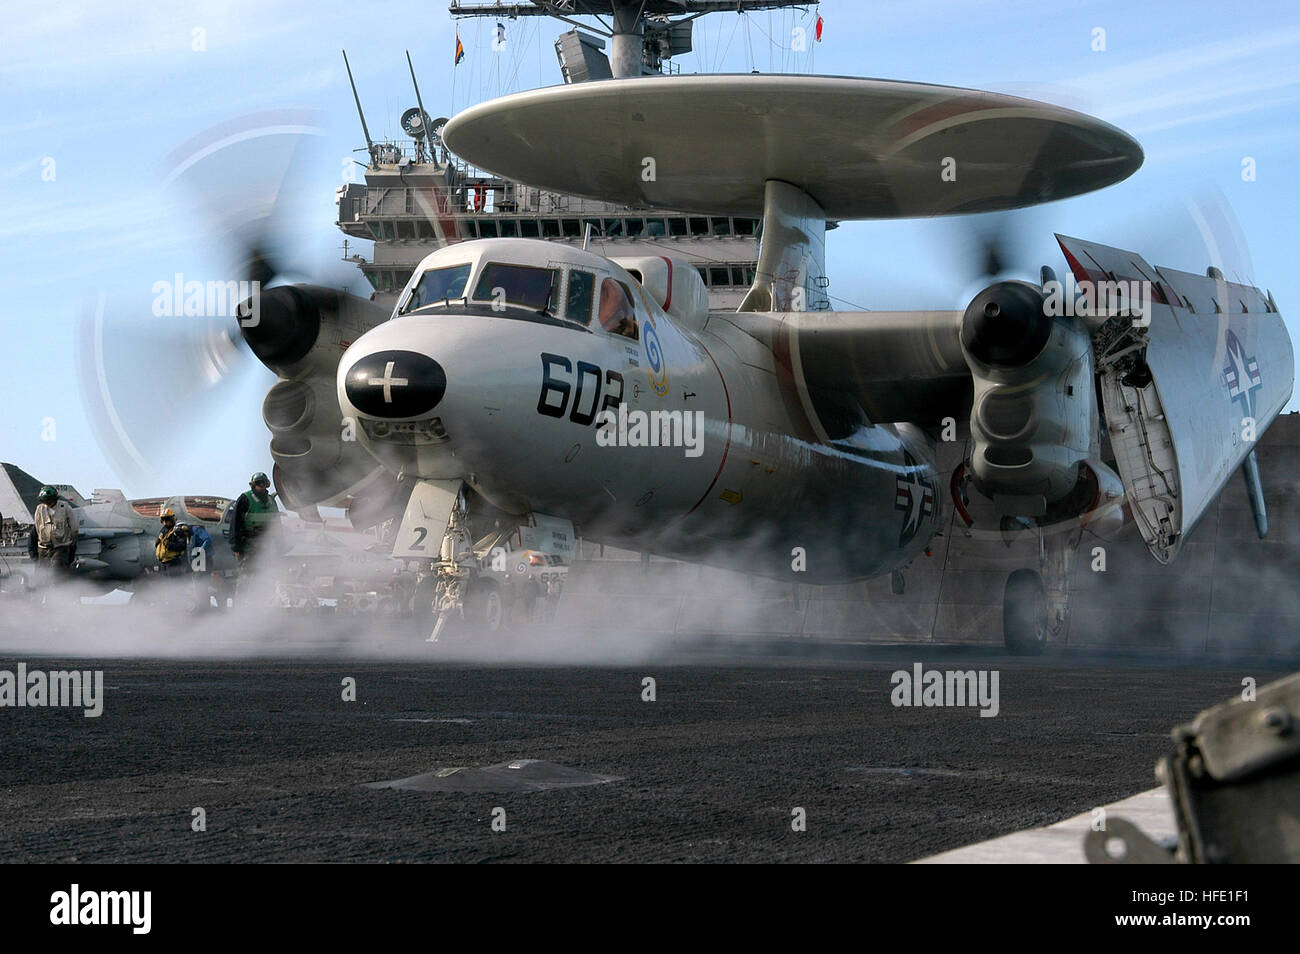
(388, 382)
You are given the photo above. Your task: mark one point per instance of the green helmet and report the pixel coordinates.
(259, 478)
(48, 493)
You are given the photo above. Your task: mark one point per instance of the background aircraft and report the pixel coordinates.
(324, 563)
(115, 539)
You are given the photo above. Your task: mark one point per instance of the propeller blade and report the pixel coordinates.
(153, 386)
(1199, 231)
(150, 385)
(246, 181)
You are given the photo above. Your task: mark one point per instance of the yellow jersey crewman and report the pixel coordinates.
(173, 545)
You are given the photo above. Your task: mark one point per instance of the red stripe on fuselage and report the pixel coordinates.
(668, 302)
(726, 450)
(788, 387)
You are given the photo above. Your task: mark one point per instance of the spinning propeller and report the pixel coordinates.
(167, 380)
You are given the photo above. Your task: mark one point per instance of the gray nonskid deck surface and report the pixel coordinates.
(711, 771)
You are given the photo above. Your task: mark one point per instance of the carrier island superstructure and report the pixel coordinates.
(417, 196)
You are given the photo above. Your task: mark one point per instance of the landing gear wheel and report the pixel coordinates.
(1024, 613)
(484, 609)
(422, 614)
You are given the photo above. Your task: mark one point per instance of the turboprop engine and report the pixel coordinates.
(299, 332)
(1034, 422)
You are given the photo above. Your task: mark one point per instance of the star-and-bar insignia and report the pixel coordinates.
(1241, 376)
(914, 496)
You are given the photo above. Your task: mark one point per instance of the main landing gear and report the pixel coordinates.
(1036, 603)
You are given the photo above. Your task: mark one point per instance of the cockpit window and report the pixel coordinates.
(437, 284)
(536, 288)
(148, 508)
(581, 287)
(616, 312)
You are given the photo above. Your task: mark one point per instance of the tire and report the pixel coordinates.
(1024, 613)
(485, 611)
(422, 614)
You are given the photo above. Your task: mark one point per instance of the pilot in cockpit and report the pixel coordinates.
(616, 312)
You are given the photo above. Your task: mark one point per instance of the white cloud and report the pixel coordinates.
(1185, 80)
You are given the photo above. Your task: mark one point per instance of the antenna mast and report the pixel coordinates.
(370, 146)
(424, 117)
(642, 32)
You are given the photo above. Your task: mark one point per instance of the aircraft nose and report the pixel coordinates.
(395, 384)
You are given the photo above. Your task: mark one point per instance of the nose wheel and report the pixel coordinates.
(470, 608)
(484, 609)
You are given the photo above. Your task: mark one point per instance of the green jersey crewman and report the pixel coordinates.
(255, 520)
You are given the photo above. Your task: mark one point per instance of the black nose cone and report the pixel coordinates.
(395, 384)
(1006, 324)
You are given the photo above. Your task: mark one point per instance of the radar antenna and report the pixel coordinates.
(640, 31)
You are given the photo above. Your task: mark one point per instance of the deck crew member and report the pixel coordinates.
(172, 547)
(56, 534)
(255, 520)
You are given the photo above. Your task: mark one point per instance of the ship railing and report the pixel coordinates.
(514, 201)
(390, 153)
(508, 197)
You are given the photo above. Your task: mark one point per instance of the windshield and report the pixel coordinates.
(437, 284)
(581, 287)
(525, 285)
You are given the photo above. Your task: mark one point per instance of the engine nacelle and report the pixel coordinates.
(1034, 413)
(300, 333)
(673, 283)
(318, 459)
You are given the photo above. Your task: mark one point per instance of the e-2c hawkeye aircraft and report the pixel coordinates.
(548, 383)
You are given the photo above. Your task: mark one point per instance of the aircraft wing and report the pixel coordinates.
(106, 533)
(117, 551)
(896, 365)
(1216, 367)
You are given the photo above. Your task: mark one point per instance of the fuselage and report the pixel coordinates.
(668, 433)
(115, 540)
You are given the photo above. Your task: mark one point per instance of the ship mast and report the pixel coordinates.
(642, 33)
(417, 197)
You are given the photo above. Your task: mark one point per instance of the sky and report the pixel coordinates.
(97, 97)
